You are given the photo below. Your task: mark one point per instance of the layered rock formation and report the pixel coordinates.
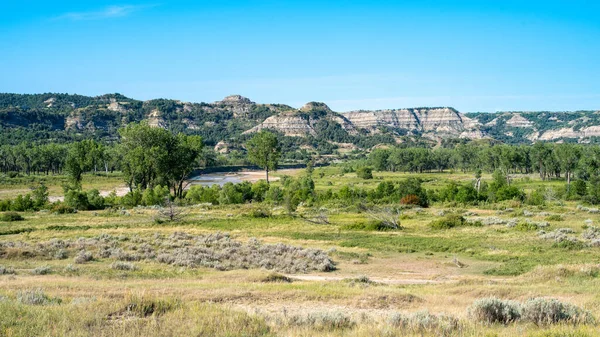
(441, 122)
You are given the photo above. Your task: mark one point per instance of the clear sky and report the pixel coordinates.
(472, 55)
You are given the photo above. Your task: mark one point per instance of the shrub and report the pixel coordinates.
(275, 277)
(260, 213)
(95, 200)
(259, 190)
(410, 199)
(494, 310)
(6, 270)
(373, 225)
(77, 199)
(42, 270)
(11, 216)
(543, 311)
(118, 265)
(35, 297)
(425, 323)
(449, 221)
(364, 173)
(525, 226)
(322, 320)
(202, 194)
(22, 203)
(155, 196)
(555, 217)
(62, 208)
(83, 257)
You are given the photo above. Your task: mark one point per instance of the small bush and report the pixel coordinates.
(410, 199)
(449, 221)
(373, 225)
(494, 310)
(123, 266)
(542, 311)
(42, 270)
(555, 217)
(425, 323)
(6, 270)
(277, 278)
(35, 297)
(62, 208)
(260, 213)
(364, 173)
(83, 257)
(323, 321)
(525, 226)
(11, 216)
(569, 245)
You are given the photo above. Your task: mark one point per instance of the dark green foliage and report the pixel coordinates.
(264, 150)
(525, 226)
(372, 225)
(11, 216)
(451, 221)
(364, 172)
(63, 208)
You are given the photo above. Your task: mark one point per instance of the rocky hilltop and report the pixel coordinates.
(62, 116)
(431, 122)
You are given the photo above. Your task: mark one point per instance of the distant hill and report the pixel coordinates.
(63, 117)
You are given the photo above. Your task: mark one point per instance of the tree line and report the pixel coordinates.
(549, 160)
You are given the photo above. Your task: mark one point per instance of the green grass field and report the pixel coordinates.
(129, 287)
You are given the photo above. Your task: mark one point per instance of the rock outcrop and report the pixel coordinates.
(442, 122)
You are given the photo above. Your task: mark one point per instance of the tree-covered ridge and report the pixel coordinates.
(498, 125)
(61, 117)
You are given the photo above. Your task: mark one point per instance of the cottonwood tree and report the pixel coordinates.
(264, 151)
(155, 156)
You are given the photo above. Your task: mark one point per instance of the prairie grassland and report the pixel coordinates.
(119, 273)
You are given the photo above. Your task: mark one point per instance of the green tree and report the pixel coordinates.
(264, 151)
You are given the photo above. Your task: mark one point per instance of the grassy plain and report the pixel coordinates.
(378, 274)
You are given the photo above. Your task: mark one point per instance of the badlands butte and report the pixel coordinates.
(63, 116)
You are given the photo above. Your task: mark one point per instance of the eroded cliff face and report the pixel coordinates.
(289, 124)
(302, 122)
(442, 122)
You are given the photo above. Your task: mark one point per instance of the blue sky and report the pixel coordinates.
(472, 55)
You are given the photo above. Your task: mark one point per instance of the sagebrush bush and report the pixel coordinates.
(35, 297)
(494, 310)
(42, 270)
(330, 320)
(6, 270)
(83, 256)
(118, 265)
(542, 311)
(425, 323)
